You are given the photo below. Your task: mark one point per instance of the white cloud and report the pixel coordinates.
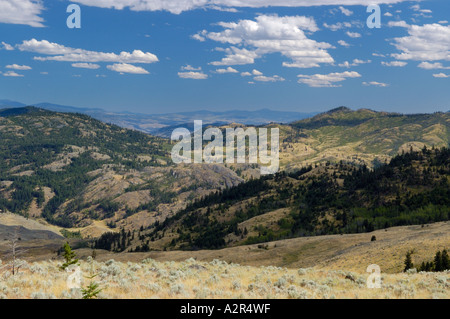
(394, 63)
(252, 39)
(326, 80)
(193, 75)
(7, 46)
(353, 34)
(227, 70)
(256, 72)
(18, 67)
(443, 22)
(178, 6)
(189, 67)
(246, 74)
(417, 8)
(24, 12)
(373, 83)
(12, 74)
(345, 11)
(379, 55)
(263, 78)
(401, 24)
(198, 37)
(337, 26)
(441, 75)
(91, 66)
(432, 66)
(219, 8)
(44, 73)
(388, 14)
(430, 42)
(343, 43)
(60, 52)
(236, 56)
(127, 68)
(355, 62)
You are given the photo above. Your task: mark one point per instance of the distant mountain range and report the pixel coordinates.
(159, 124)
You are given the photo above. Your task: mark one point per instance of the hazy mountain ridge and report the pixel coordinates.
(158, 124)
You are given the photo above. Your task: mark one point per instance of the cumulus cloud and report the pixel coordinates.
(401, 24)
(58, 52)
(7, 46)
(353, 34)
(91, 66)
(12, 74)
(189, 67)
(127, 68)
(345, 11)
(432, 66)
(236, 56)
(337, 26)
(18, 67)
(343, 43)
(394, 63)
(256, 72)
(430, 42)
(227, 70)
(441, 75)
(246, 74)
(263, 78)
(374, 83)
(327, 80)
(26, 12)
(179, 6)
(193, 75)
(267, 34)
(355, 62)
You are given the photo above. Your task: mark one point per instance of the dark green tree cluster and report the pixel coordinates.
(441, 262)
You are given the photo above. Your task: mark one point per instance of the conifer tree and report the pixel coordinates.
(408, 261)
(445, 260)
(69, 256)
(438, 262)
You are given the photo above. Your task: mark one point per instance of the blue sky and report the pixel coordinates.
(154, 56)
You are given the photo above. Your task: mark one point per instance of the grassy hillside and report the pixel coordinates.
(414, 188)
(361, 137)
(73, 170)
(191, 279)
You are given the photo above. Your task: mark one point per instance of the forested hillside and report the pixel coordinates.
(73, 170)
(413, 188)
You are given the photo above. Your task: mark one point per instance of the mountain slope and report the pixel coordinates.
(73, 170)
(413, 188)
(360, 137)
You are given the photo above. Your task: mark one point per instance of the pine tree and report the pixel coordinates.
(91, 291)
(69, 256)
(445, 260)
(408, 261)
(438, 262)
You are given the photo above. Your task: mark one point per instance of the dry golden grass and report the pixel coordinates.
(352, 252)
(216, 279)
